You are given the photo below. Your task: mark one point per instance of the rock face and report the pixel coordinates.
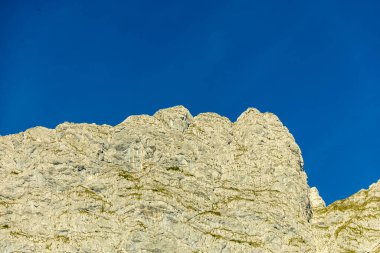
(172, 182)
(349, 225)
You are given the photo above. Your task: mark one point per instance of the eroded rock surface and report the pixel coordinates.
(350, 225)
(172, 182)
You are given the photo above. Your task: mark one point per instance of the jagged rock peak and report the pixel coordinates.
(316, 201)
(375, 187)
(250, 112)
(177, 117)
(172, 182)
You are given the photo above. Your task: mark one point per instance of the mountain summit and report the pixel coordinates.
(172, 182)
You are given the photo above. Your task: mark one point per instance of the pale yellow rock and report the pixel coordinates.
(316, 201)
(172, 182)
(349, 225)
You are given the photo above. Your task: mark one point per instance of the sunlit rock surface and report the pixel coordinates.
(349, 225)
(172, 182)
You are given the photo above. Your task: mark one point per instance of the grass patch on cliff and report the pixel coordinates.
(174, 168)
(128, 176)
(162, 190)
(212, 212)
(86, 192)
(6, 204)
(62, 238)
(178, 169)
(18, 234)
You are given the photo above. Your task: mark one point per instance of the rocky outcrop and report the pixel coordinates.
(349, 225)
(172, 182)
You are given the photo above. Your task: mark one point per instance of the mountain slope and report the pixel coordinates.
(170, 182)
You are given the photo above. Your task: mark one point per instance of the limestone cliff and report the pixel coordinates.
(172, 182)
(349, 225)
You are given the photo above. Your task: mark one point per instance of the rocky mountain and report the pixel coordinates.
(172, 182)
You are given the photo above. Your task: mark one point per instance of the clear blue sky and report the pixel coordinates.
(316, 64)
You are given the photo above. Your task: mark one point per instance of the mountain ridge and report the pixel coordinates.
(172, 182)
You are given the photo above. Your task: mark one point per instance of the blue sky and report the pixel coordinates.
(316, 64)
